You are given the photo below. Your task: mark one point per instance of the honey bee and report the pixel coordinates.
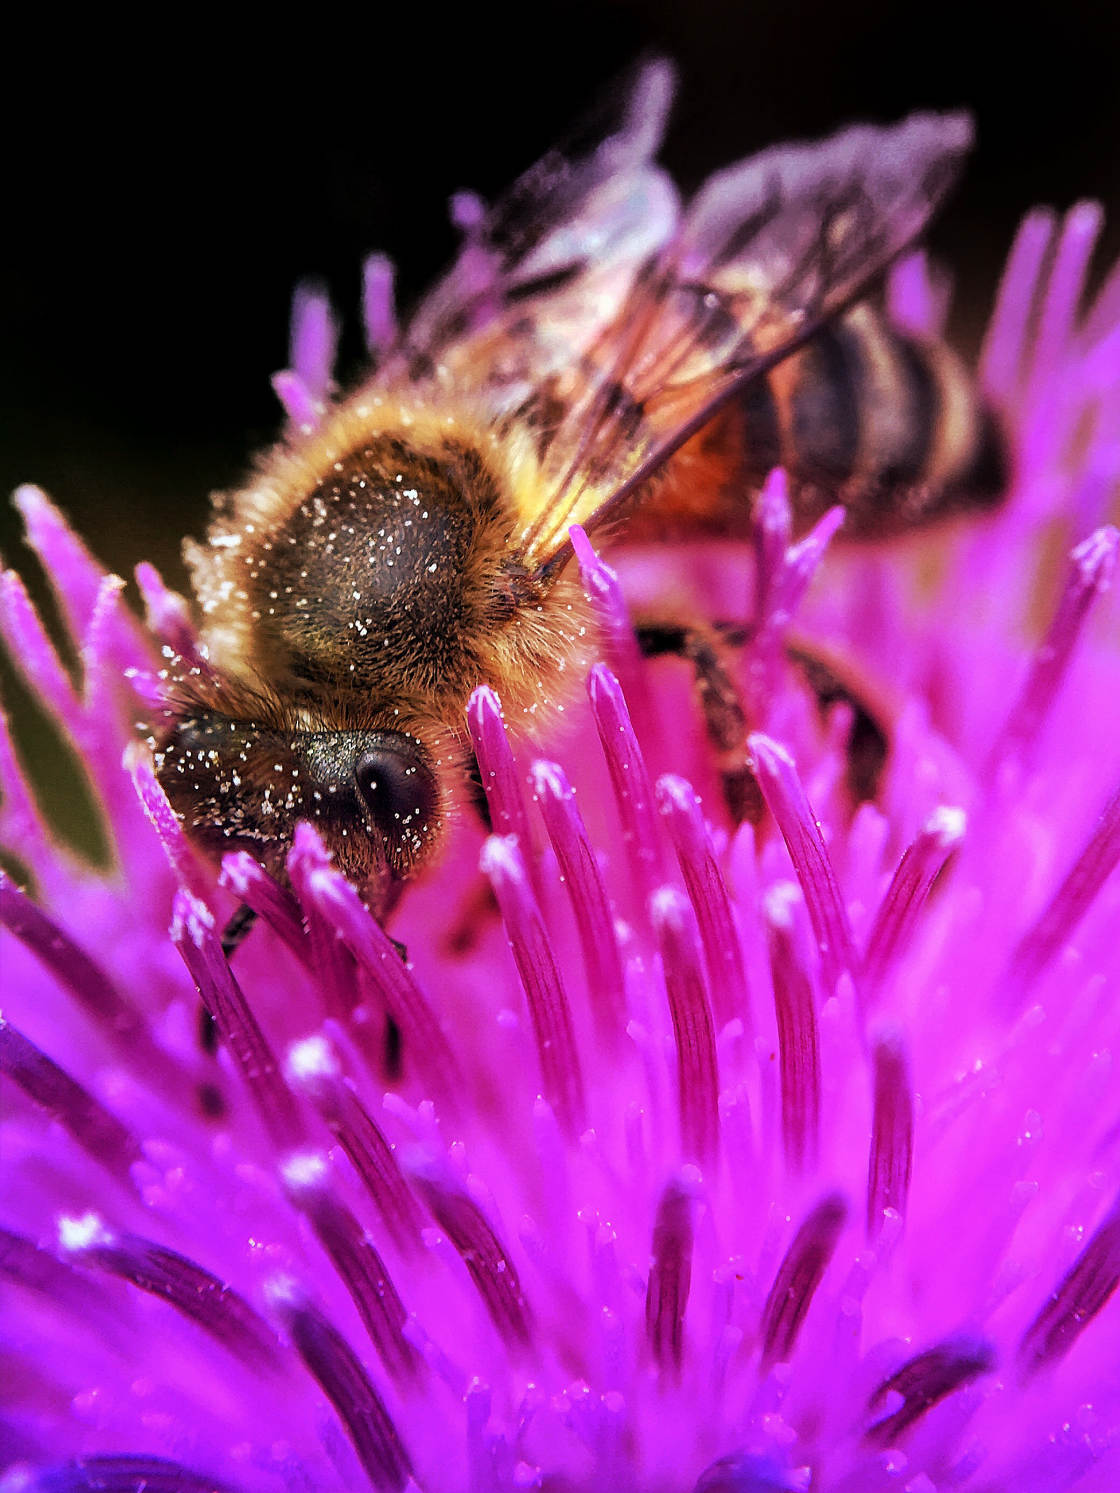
(602, 354)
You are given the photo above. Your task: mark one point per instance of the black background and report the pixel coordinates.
(168, 186)
(169, 192)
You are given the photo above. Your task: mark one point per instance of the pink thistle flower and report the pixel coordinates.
(709, 1162)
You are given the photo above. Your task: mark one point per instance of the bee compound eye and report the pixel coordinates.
(396, 787)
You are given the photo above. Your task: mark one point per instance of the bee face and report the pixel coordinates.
(358, 594)
(411, 542)
(242, 785)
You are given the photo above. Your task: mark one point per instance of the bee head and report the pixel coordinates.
(245, 785)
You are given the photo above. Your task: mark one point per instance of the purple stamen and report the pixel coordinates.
(312, 1065)
(917, 296)
(583, 879)
(360, 1268)
(482, 1252)
(314, 340)
(1057, 315)
(697, 1069)
(334, 1364)
(1095, 398)
(169, 616)
(773, 534)
(77, 581)
(629, 780)
(1103, 317)
(169, 831)
(707, 890)
(101, 674)
(798, 1040)
(27, 1265)
(1091, 566)
(296, 400)
(21, 824)
(125, 1474)
(616, 630)
(751, 1472)
(334, 966)
(561, 1076)
(901, 907)
(99, 1133)
(379, 316)
(194, 1292)
(501, 781)
(331, 895)
(476, 266)
(783, 573)
(801, 830)
(1085, 1289)
(250, 883)
(1100, 470)
(82, 976)
(102, 729)
(150, 689)
(670, 1274)
(467, 212)
(801, 563)
(31, 650)
(798, 1277)
(193, 933)
(1003, 355)
(1069, 904)
(480, 1440)
(595, 1186)
(92, 989)
(926, 1379)
(892, 1135)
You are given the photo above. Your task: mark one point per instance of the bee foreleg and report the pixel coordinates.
(725, 718)
(237, 929)
(475, 795)
(834, 681)
(233, 935)
(207, 1032)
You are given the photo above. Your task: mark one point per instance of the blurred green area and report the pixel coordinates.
(161, 221)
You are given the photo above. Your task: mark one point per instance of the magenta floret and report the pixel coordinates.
(659, 1153)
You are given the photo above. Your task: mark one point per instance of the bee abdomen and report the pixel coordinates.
(883, 422)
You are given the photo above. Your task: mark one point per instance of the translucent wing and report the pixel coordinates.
(592, 315)
(544, 270)
(768, 251)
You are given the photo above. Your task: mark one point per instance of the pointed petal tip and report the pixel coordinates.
(668, 908)
(501, 859)
(484, 714)
(946, 826)
(1095, 557)
(549, 780)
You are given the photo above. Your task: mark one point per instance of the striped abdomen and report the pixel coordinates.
(865, 415)
(888, 425)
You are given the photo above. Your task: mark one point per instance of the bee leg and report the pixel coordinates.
(237, 929)
(868, 741)
(233, 935)
(392, 1054)
(207, 1032)
(476, 795)
(725, 719)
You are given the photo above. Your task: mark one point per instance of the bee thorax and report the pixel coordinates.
(380, 578)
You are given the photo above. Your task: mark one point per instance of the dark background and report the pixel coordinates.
(166, 192)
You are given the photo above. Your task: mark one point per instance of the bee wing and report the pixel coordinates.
(768, 251)
(543, 270)
(586, 312)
